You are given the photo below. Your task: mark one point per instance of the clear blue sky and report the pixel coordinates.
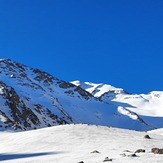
(119, 42)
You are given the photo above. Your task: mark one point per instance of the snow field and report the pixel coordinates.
(74, 143)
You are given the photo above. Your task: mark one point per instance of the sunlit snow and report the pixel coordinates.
(75, 143)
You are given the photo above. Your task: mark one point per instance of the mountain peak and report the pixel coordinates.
(97, 90)
(5, 59)
(31, 98)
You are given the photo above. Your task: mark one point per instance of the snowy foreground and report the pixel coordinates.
(74, 143)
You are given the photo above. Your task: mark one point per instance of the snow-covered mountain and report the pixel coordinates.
(80, 144)
(98, 90)
(31, 99)
(150, 104)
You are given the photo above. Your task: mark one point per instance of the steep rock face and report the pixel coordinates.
(31, 99)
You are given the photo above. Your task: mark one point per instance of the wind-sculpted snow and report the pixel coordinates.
(32, 99)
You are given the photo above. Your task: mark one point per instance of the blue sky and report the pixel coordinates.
(119, 42)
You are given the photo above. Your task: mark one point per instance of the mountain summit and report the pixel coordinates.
(31, 99)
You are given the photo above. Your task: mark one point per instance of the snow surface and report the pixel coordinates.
(96, 89)
(74, 143)
(1, 90)
(157, 131)
(150, 104)
(66, 102)
(144, 104)
(126, 112)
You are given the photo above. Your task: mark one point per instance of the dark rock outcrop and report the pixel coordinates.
(157, 150)
(95, 151)
(107, 159)
(140, 151)
(147, 137)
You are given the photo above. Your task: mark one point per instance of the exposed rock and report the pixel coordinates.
(140, 151)
(83, 93)
(147, 137)
(157, 150)
(66, 85)
(132, 155)
(21, 118)
(95, 151)
(128, 155)
(107, 159)
(44, 76)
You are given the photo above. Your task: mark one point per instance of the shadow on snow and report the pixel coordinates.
(6, 156)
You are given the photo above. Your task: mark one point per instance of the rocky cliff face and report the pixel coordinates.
(31, 99)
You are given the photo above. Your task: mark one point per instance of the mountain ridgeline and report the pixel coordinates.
(32, 99)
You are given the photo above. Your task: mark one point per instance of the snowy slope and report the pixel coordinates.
(32, 99)
(74, 143)
(145, 105)
(150, 104)
(97, 90)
